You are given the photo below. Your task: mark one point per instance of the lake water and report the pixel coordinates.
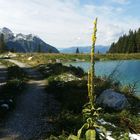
(126, 71)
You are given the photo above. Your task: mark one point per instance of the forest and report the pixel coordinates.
(127, 43)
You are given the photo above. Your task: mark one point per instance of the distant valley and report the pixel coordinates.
(84, 49)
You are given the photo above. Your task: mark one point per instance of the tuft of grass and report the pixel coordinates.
(124, 121)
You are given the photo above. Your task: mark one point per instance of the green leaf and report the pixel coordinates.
(62, 137)
(85, 126)
(93, 108)
(79, 133)
(89, 120)
(87, 114)
(86, 110)
(95, 114)
(96, 126)
(90, 134)
(53, 138)
(73, 137)
(99, 108)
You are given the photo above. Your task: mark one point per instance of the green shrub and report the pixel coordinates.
(72, 95)
(12, 88)
(58, 68)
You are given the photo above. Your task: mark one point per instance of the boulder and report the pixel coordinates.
(134, 136)
(5, 106)
(113, 100)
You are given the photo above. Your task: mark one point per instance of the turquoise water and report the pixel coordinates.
(125, 71)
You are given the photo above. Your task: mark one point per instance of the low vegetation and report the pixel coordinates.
(35, 59)
(58, 68)
(72, 96)
(14, 86)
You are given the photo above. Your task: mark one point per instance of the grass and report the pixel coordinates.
(57, 68)
(14, 85)
(14, 71)
(16, 78)
(35, 59)
(124, 121)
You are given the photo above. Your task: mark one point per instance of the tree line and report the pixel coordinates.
(2, 44)
(127, 43)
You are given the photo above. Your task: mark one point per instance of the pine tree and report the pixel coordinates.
(2, 44)
(127, 43)
(49, 50)
(39, 49)
(77, 50)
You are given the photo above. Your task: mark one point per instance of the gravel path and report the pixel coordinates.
(30, 119)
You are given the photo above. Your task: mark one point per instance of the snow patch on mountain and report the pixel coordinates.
(20, 37)
(8, 34)
(25, 43)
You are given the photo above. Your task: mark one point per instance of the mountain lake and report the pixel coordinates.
(125, 71)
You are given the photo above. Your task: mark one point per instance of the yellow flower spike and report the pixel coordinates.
(88, 84)
(91, 76)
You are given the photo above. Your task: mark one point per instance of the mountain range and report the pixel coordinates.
(25, 43)
(84, 49)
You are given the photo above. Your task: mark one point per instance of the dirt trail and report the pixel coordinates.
(29, 120)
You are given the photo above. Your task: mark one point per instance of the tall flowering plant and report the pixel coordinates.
(91, 130)
(91, 72)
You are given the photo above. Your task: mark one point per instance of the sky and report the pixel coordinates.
(67, 23)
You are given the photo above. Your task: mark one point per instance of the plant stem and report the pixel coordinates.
(92, 74)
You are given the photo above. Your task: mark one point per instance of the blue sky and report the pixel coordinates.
(66, 23)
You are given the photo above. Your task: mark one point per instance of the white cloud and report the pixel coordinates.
(64, 23)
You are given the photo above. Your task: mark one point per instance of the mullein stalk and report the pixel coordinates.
(90, 113)
(89, 86)
(92, 69)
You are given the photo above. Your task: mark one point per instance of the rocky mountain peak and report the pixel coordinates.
(20, 36)
(5, 30)
(8, 34)
(25, 43)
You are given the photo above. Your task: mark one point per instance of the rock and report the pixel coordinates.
(11, 55)
(58, 61)
(113, 100)
(10, 100)
(5, 106)
(30, 58)
(103, 122)
(134, 136)
(50, 61)
(109, 138)
(66, 77)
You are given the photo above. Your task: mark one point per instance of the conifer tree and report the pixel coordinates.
(2, 44)
(77, 50)
(127, 43)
